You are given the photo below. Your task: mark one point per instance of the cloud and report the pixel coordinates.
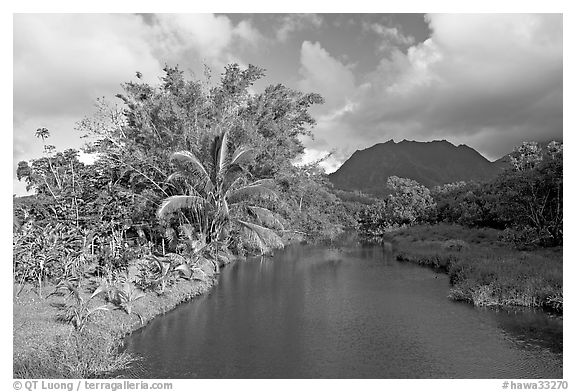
(487, 80)
(390, 37)
(211, 38)
(323, 74)
(296, 22)
(63, 62)
(328, 162)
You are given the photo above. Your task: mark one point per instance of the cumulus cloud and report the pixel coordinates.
(490, 81)
(206, 37)
(389, 37)
(325, 75)
(296, 22)
(63, 62)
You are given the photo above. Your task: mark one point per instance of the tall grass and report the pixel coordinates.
(483, 271)
(87, 354)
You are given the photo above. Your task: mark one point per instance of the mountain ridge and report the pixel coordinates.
(430, 163)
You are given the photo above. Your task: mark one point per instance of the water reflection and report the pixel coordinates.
(343, 311)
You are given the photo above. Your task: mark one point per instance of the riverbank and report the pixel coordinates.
(45, 347)
(483, 270)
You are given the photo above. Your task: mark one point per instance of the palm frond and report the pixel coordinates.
(175, 176)
(242, 155)
(187, 232)
(260, 236)
(223, 153)
(170, 235)
(233, 179)
(175, 203)
(266, 217)
(225, 209)
(193, 163)
(258, 188)
(267, 182)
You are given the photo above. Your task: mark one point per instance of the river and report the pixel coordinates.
(342, 311)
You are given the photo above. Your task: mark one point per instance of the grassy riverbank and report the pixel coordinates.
(483, 270)
(47, 348)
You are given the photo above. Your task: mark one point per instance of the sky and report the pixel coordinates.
(489, 81)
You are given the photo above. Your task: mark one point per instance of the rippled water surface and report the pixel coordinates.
(347, 311)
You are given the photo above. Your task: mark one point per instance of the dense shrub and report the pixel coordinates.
(408, 203)
(52, 252)
(525, 198)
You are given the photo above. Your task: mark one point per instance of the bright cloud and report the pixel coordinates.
(325, 75)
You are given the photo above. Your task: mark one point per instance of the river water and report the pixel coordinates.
(342, 311)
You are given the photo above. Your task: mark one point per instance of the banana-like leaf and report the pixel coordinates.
(266, 217)
(101, 289)
(263, 238)
(164, 268)
(185, 270)
(137, 294)
(176, 203)
(103, 307)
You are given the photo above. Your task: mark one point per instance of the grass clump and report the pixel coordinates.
(483, 271)
(93, 354)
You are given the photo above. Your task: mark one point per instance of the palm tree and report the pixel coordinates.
(43, 133)
(217, 194)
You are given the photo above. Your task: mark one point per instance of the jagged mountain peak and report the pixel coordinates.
(430, 163)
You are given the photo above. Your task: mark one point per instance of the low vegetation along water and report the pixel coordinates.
(343, 311)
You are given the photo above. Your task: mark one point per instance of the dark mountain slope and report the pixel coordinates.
(429, 163)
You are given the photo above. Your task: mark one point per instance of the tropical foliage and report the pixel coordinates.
(191, 170)
(524, 201)
(216, 196)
